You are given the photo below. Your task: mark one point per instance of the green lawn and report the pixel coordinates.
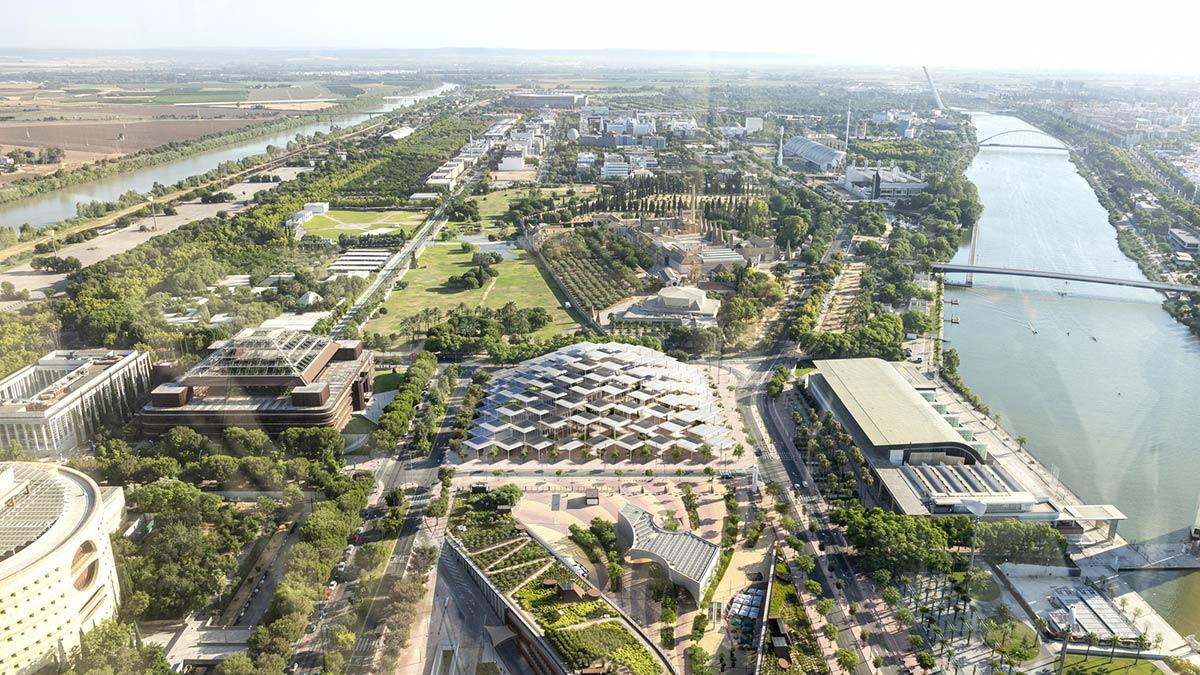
(338, 222)
(358, 425)
(520, 281)
(198, 95)
(386, 380)
(1099, 664)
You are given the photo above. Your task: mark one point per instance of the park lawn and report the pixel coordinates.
(338, 222)
(1098, 664)
(520, 281)
(494, 205)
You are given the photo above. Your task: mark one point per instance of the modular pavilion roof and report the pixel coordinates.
(600, 396)
(888, 410)
(689, 559)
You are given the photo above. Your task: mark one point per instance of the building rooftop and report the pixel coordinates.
(884, 404)
(38, 389)
(41, 506)
(600, 395)
(263, 357)
(683, 552)
(812, 151)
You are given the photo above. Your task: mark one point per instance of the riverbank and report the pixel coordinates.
(1099, 379)
(22, 251)
(175, 150)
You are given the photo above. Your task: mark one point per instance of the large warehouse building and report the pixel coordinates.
(269, 380)
(57, 577)
(52, 406)
(925, 460)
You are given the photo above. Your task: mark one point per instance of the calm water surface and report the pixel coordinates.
(1106, 390)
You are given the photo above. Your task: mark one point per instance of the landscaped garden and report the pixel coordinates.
(578, 623)
(805, 654)
(427, 291)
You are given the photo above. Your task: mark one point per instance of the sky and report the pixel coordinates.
(1053, 35)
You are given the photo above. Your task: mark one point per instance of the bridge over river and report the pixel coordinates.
(1066, 276)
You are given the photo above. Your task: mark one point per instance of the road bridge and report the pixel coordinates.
(1066, 276)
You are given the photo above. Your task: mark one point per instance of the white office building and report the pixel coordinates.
(57, 577)
(53, 405)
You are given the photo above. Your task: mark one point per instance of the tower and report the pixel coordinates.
(846, 147)
(779, 157)
(937, 98)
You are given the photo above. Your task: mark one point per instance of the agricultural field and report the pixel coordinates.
(114, 137)
(338, 222)
(520, 282)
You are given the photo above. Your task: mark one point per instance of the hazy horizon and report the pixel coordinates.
(1030, 36)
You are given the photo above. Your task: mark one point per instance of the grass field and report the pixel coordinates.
(520, 281)
(338, 222)
(1101, 665)
(386, 380)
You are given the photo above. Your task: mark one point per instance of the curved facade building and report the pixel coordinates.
(57, 576)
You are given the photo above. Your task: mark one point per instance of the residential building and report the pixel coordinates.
(54, 405)
(57, 573)
(266, 379)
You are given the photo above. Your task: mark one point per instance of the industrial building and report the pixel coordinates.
(689, 560)
(57, 575)
(607, 398)
(52, 406)
(925, 460)
(266, 379)
(881, 183)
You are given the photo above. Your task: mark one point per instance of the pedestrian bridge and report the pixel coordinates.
(1066, 276)
(991, 142)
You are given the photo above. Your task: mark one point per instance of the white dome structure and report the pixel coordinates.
(572, 134)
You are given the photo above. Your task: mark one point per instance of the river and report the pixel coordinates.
(1105, 390)
(59, 205)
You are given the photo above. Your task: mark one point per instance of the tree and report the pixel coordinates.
(1091, 640)
(805, 563)
(111, 647)
(926, 661)
(238, 664)
(831, 631)
(847, 659)
(1112, 642)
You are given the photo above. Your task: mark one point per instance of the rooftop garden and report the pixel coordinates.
(580, 624)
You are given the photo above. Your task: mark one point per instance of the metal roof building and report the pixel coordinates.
(873, 396)
(819, 155)
(689, 560)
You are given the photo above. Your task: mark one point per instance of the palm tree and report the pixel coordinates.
(1141, 643)
(1092, 640)
(1112, 642)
